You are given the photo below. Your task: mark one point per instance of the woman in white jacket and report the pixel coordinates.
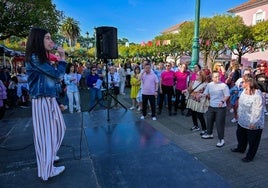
(250, 119)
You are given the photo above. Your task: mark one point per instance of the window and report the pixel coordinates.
(258, 16)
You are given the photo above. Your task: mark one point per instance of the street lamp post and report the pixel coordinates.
(87, 44)
(195, 47)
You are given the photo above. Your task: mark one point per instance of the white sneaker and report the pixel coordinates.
(220, 143)
(142, 117)
(207, 136)
(231, 110)
(57, 171)
(154, 118)
(132, 108)
(139, 109)
(266, 113)
(56, 159)
(234, 120)
(195, 128)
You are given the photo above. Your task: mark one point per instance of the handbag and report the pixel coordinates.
(188, 93)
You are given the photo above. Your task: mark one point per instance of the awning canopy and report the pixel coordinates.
(4, 51)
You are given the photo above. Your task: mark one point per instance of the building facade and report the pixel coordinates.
(253, 12)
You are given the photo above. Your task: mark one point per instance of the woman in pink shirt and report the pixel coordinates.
(220, 68)
(182, 79)
(166, 87)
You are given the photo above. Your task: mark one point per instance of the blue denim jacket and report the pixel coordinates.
(43, 77)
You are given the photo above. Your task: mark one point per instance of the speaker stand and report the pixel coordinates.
(108, 94)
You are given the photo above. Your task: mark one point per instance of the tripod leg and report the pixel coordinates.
(117, 101)
(100, 96)
(98, 102)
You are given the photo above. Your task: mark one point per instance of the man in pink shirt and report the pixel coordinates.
(149, 89)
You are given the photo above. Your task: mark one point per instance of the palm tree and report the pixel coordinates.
(70, 29)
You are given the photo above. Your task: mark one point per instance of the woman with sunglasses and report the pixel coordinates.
(167, 78)
(94, 83)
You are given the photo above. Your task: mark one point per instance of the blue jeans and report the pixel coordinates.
(93, 94)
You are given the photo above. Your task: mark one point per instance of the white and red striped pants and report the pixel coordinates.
(49, 129)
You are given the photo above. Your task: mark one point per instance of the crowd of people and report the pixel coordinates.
(202, 93)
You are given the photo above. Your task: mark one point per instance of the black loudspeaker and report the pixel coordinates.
(255, 65)
(2, 50)
(106, 42)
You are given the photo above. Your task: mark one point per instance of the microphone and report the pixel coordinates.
(55, 47)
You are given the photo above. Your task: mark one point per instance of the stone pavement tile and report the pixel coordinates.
(78, 174)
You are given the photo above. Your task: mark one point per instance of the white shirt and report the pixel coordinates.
(115, 78)
(217, 92)
(251, 110)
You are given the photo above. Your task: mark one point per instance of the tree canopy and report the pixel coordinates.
(70, 29)
(19, 16)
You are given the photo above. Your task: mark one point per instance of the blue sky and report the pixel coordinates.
(139, 20)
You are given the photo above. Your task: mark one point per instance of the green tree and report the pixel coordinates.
(185, 37)
(70, 29)
(19, 16)
(86, 42)
(260, 34)
(236, 35)
(161, 51)
(122, 41)
(208, 40)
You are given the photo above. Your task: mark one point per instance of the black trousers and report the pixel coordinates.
(2, 112)
(145, 99)
(180, 97)
(248, 137)
(166, 90)
(200, 116)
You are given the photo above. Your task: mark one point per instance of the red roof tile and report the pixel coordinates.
(248, 5)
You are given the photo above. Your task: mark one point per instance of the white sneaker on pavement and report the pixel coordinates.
(57, 171)
(142, 117)
(154, 118)
(207, 136)
(234, 120)
(220, 143)
(56, 159)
